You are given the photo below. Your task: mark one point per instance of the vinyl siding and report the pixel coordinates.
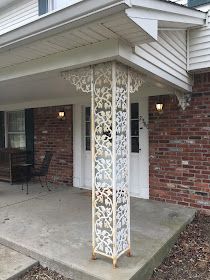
(17, 15)
(169, 54)
(199, 48)
(199, 43)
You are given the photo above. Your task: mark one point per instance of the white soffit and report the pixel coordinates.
(118, 26)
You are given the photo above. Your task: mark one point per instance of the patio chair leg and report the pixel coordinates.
(129, 254)
(93, 256)
(46, 182)
(40, 181)
(115, 263)
(27, 188)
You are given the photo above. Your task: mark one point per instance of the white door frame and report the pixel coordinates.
(143, 155)
(79, 148)
(78, 155)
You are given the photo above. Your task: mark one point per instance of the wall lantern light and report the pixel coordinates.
(159, 107)
(61, 116)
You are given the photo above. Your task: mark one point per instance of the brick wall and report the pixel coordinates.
(51, 134)
(180, 148)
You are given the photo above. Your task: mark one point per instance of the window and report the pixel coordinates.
(87, 129)
(46, 6)
(196, 3)
(43, 7)
(135, 128)
(15, 129)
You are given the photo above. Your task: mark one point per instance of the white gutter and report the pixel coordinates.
(61, 20)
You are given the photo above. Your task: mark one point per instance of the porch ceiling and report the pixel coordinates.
(118, 26)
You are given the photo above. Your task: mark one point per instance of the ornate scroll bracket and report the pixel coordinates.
(136, 80)
(184, 99)
(81, 78)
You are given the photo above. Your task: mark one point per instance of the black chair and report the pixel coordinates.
(42, 169)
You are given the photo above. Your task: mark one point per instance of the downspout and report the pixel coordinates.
(188, 49)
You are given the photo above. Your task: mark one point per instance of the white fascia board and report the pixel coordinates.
(79, 57)
(132, 59)
(168, 7)
(172, 16)
(167, 11)
(60, 20)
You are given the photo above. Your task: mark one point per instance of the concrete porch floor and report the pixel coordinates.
(55, 229)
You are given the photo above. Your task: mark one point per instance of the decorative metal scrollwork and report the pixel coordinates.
(80, 78)
(184, 99)
(110, 85)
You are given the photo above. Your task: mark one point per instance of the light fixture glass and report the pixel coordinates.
(159, 107)
(61, 115)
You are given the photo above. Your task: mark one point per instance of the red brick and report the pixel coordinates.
(187, 133)
(56, 136)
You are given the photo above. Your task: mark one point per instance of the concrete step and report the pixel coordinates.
(13, 264)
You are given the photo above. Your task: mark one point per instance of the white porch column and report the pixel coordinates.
(110, 85)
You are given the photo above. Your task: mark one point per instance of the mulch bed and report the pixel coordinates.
(40, 273)
(189, 259)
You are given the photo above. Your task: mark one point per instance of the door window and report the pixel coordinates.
(87, 129)
(135, 127)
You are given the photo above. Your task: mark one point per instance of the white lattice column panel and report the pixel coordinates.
(110, 85)
(111, 222)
